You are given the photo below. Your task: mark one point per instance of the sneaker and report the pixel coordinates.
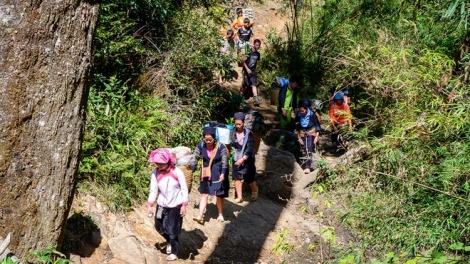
(307, 171)
(220, 218)
(168, 249)
(171, 257)
(199, 220)
(255, 100)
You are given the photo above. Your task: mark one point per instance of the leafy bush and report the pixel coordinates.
(154, 68)
(397, 59)
(192, 58)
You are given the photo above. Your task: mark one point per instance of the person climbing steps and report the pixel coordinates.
(249, 72)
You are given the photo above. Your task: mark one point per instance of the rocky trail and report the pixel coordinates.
(282, 225)
(248, 235)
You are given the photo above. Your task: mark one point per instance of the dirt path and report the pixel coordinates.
(271, 15)
(249, 234)
(250, 231)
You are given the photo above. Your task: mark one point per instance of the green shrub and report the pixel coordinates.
(396, 58)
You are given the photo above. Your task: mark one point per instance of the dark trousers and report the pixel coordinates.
(307, 151)
(169, 226)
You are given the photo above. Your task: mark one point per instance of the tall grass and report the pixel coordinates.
(396, 59)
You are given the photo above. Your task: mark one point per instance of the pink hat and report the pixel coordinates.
(161, 155)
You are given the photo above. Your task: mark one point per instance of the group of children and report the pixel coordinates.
(240, 38)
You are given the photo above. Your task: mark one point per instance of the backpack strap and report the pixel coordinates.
(216, 148)
(245, 139)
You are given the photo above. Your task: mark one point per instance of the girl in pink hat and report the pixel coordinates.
(168, 187)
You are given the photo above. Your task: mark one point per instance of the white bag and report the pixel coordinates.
(185, 160)
(180, 151)
(223, 135)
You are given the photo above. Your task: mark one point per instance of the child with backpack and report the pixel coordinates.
(287, 100)
(340, 117)
(227, 48)
(240, 20)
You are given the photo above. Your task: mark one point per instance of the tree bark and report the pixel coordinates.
(45, 59)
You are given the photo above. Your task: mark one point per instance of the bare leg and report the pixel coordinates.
(318, 116)
(254, 191)
(254, 187)
(255, 95)
(254, 90)
(238, 189)
(220, 205)
(203, 204)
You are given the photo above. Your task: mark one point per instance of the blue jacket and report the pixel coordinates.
(313, 122)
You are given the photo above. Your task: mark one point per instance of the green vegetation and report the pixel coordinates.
(405, 63)
(49, 256)
(153, 87)
(8, 260)
(410, 102)
(281, 246)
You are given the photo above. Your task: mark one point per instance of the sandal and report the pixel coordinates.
(171, 257)
(254, 195)
(238, 200)
(199, 220)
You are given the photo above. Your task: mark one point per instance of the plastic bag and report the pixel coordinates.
(185, 160)
(180, 151)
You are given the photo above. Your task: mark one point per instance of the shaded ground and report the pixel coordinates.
(251, 232)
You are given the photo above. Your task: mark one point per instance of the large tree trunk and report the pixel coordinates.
(45, 57)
